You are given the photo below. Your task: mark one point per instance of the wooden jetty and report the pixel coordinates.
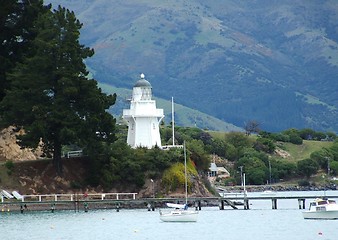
(245, 198)
(117, 201)
(67, 201)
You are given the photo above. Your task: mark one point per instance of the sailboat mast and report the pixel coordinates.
(185, 174)
(172, 119)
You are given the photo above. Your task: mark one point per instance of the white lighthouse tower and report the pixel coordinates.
(143, 117)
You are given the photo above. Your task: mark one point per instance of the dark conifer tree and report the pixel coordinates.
(51, 97)
(17, 19)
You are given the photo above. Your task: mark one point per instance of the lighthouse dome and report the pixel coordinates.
(142, 82)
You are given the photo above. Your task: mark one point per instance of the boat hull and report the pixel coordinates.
(321, 215)
(179, 216)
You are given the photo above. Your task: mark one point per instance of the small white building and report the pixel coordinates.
(215, 171)
(143, 117)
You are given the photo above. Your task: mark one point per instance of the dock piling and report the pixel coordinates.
(274, 203)
(301, 203)
(221, 205)
(246, 204)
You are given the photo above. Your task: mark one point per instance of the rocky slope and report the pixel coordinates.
(10, 150)
(39, 177)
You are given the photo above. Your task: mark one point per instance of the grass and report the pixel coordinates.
(303, 151)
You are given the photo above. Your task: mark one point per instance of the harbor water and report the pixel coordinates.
(260, 222)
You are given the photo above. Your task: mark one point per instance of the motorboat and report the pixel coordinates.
(180, 212)
(322, 208)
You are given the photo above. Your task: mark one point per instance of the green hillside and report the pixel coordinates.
(303, 151)
(271, 61)
(184, 116)
(292, 152)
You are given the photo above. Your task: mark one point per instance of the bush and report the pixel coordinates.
(296, 139)
(307, 167)
(334, 167)
(229, 181)
(280, 137)
(10, 167)
(265, 145)
(304, 183)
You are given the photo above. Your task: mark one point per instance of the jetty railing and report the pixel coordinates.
(76, 197)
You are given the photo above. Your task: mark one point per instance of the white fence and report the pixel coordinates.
(76, 197)
(74, 154)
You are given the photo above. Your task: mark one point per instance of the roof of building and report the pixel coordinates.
(222, 169)
(142, 82)
(213, 167)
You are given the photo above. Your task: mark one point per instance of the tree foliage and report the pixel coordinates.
(198, 155)
(251, 126)
(322, 157)
(254, 168)
(174, 177)
(334, 167)
(283, 170)
(17, 19)
(50, 96)
(307, 167)
(264, 144)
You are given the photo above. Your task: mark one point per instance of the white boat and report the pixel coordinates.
(176, 205)
(179, 215)
(322, 208)
(180, 212)
(268, 193)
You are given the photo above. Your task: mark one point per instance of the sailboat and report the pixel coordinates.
(180, 212)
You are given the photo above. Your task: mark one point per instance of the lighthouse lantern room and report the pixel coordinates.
(143, 117)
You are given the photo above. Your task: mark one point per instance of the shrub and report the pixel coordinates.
(10, 167)
(307, 167)
(229, 181)
(265, 145)
(303, 183)
(295, 139)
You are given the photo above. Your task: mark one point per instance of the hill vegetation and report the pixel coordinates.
(275, 62)
(49, 99)
(121, 167)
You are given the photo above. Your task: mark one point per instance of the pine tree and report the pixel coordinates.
(16, 22)
(50, 95)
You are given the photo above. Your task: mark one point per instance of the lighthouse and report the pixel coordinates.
(143, 117)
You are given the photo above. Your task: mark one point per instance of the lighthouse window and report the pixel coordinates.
(154, 126)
